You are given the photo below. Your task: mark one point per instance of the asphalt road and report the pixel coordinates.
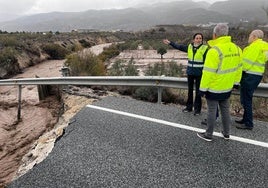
(122, 142)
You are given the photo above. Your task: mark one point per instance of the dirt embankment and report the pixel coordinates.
(29, 141)
(16, 138)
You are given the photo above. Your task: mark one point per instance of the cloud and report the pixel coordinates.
(81, 5)
(15, 7)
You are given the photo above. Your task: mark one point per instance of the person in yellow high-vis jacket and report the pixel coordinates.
(196, 52)
(222, 70)
(253, 61)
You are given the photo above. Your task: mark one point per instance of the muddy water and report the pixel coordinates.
(16, 138)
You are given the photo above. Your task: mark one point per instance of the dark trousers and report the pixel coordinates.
(249, 83)
(194, 80)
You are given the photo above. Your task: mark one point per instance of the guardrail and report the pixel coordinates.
(159, 82)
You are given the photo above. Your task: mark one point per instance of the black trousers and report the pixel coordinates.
(197, 104)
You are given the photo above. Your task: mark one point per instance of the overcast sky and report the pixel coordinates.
(10, 9)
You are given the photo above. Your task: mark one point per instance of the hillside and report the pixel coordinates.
(21, 50)
(144, 17)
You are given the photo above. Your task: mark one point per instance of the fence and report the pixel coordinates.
(159, 82)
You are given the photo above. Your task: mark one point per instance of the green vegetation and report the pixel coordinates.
(170, 69)
(8, 62)
(55, 51)
(109, 53)
(35, 46)
(161, 51)
(85, 65)
(123, 68)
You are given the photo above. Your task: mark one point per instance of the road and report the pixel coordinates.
(122, 142)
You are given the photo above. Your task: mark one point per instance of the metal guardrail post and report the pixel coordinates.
(159, 95)
(65, 71)
(19, 104)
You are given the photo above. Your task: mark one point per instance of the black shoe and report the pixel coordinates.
(240, 121)
(186, 110)
(196, 113)
(226, 137)
(242, 126)
(204, 122)
(204, 137)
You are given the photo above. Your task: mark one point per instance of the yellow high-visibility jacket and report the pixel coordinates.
(196, 59)
(222, 68)
(254, 57)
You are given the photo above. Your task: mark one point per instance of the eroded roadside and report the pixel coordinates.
(26, 143)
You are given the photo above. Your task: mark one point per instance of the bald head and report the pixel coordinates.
(255, 34)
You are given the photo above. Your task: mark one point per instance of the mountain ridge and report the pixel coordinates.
(144, 17)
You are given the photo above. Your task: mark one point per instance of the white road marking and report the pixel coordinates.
(236, 138)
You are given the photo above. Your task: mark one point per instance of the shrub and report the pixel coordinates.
(150, 93)
(9, 41)
(85, 43)
(131, 69)
(146, 93)
(161, 51)
(85, 65)
(123, 68)
(109, 52)
(55, 51)
(117, 68)
(8, 62)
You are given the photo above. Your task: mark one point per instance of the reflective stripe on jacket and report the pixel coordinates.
(222, 68)
(254, 57)
(196, 59)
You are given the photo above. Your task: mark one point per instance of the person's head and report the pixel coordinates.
(254, 35)
(198, 39)
(221, 29)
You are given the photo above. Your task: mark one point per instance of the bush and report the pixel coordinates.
(169, 69)
(8, 63)
(109, 52)
(131, 69)
(55, 51)
(123, 68)
(117, 68)
(85, 65)
(146, 93)
(9, 41)
(85, 43)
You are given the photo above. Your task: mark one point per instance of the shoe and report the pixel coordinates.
(204, 137)
(242, 126)
(186, 110)
(226, 137)
(204, 122)
(196, 113)
(240, 121)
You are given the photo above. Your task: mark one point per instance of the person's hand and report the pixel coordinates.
(166, 41)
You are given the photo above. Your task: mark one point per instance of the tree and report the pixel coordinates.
(162, 51)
